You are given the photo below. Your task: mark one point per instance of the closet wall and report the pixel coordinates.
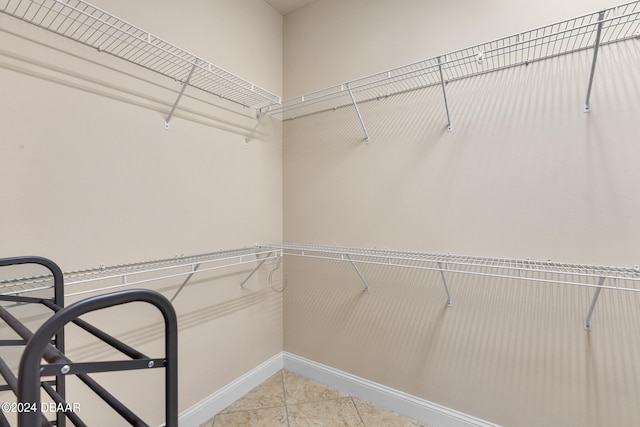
(525, 173)
(90, 176)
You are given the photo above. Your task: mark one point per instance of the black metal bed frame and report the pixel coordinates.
(48, 343)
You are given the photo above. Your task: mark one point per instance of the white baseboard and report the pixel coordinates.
(204, 410)
(399, 402)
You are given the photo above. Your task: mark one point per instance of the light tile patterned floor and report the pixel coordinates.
(289, 400)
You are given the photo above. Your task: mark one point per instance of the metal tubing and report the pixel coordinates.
(113, 342)
(19, 298)
(12, 343)
(253, 271)
(75, 419)
(58, 299)
(109, 399)
(93, 367)
(193, 271)
(50, 353)
(184, 87)
(12, 382)
(8, 376)
(446, 288)
(355, 104)
(53, 355)
(3, 420)
(587, 107)
(28, 372)
(587, 322)
(444, 92)
(366, 285)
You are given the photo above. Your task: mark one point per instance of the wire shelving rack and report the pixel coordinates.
(620, 278)
(94, 27)
(99, 280)
(592, 276)
(589, 31)
(106, 278)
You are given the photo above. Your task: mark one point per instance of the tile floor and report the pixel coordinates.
(289, 400)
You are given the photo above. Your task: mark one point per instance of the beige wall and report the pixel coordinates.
(525, 173)
(89, 176)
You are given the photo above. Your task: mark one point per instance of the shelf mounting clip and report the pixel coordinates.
(184, 87)
(355, 105)
(587, 107)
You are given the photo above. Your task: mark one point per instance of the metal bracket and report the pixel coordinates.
(355, 104)
(254, 270)
(446, 288)
(587, 322)
(194, 268)
(587, 107)
(260, 116)
(444, 92)
(184, 87)
(366, 285)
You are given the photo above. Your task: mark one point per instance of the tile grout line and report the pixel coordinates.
(357, 411)
(284, 397)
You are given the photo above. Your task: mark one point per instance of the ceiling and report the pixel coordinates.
(286, 6)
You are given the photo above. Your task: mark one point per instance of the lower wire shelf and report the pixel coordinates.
(34, 379)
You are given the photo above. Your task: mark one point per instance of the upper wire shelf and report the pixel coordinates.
(620, 278)
(619, 23)
(117, 276)
(87, 24)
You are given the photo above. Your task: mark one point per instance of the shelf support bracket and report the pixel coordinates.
(254, 270)
(184, 87)
(444, 92)
(260, 115)
(446, 288)
(194, 268)
(355, 105)
(366, 285)
(587, 107)
(587, 322)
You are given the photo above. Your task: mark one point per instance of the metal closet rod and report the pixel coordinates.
(145, 272)
(618, 23)
(603, 277)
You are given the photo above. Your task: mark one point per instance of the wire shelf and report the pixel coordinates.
(89, 25)
(605, 277)
(124, 275)
(619, 23)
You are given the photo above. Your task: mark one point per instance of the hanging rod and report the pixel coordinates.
(94, 27)
(142, 272)
(619, 23)
(604, 277)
